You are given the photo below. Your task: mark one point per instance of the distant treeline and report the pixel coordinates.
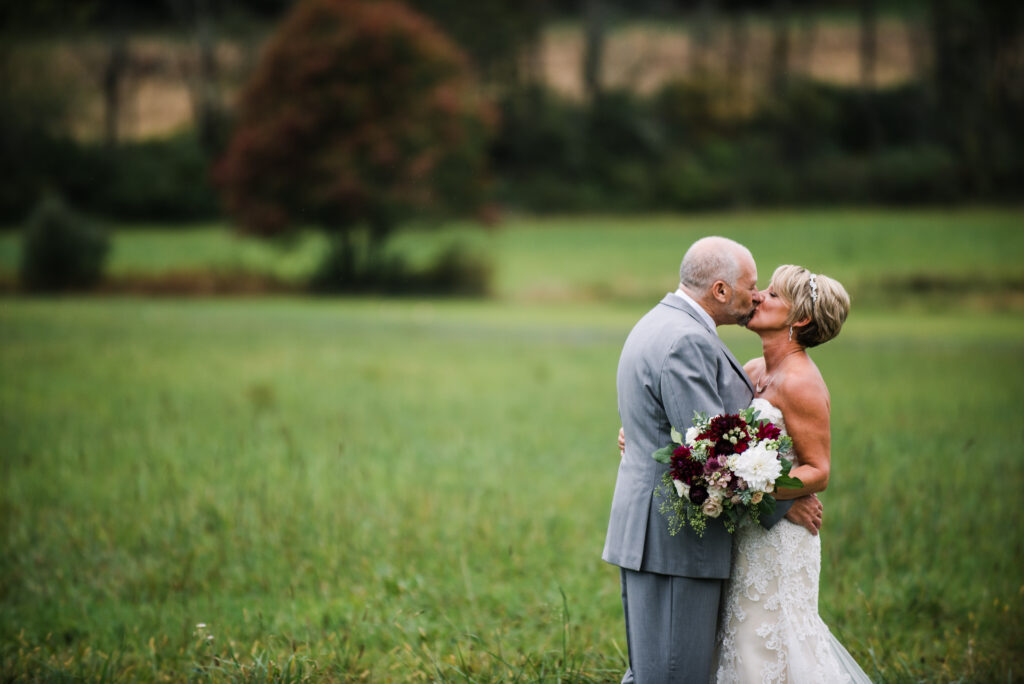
(951, 134)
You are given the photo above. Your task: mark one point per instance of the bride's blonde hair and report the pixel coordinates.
(814, 296)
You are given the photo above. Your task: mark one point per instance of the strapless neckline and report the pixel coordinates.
(766, 410)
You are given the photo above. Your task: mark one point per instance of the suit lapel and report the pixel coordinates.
(681, 304)
(737, 365)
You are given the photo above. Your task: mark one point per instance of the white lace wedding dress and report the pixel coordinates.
(769, 630)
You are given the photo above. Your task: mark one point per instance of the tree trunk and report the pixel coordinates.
(739, 40)
(779, 74)
(197, 16)
(700, 41)
(808, 39)
(595, 16)
(208, 110)
(112, 83)
(528, 68)
(868, 62)
(957, 79)
(868, 44)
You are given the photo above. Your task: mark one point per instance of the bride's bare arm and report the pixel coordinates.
(806, 408)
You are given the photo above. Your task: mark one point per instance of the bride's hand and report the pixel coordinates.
(622, 442)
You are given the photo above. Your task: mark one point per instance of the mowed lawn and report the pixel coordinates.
(414, 490)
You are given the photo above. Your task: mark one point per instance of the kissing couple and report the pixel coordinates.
(723, 607)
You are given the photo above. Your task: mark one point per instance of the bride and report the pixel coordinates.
(769, 629)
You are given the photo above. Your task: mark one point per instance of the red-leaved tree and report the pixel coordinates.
(359, 115)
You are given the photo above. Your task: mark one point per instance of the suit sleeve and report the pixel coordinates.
(689, 381)
(781, 508)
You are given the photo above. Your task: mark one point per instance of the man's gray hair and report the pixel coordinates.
(710, 259)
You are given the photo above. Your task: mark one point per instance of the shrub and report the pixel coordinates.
(61, 250)
(923, 173)
(164, 180)
(454, 272)
(687, 183)
(154, 180)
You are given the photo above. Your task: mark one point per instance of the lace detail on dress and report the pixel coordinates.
(769, 629)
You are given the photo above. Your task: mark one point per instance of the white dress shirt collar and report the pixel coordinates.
(698, 308)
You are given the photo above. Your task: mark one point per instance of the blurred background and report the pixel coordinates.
(161, 113)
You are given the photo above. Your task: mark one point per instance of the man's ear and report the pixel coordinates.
(720, 291)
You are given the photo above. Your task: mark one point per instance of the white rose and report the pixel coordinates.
(717, 493)
(682, 489)
(691, 436)
(756, 498)
(712, 507)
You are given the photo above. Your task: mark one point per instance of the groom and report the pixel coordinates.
(673, 364)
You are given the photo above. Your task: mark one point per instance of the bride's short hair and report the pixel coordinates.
(824, 301)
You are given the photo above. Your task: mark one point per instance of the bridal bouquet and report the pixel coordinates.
(725, 467)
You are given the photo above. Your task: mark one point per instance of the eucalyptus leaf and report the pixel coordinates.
(790, 482)
(663, 455)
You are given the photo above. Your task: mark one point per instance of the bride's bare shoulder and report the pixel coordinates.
(804, 386)
(754, 366)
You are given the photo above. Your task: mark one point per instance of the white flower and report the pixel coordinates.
(712, 507)
(691, 436)
(756, 498)
(716, 493)
(682, 489)
(758, 466)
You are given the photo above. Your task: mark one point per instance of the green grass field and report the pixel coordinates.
(414, 490)
(876, 253)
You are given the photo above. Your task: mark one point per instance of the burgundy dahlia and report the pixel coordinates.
(721, 426)
(768, 431)
(698, 495)
(684, 467)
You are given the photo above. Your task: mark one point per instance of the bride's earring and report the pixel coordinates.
(790, 333)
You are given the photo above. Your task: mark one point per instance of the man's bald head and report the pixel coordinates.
(712, 259)
(721, 276)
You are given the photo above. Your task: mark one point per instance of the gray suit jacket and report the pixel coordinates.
(672, 364)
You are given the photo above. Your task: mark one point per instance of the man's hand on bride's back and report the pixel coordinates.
(622, 442)
(806, 512)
